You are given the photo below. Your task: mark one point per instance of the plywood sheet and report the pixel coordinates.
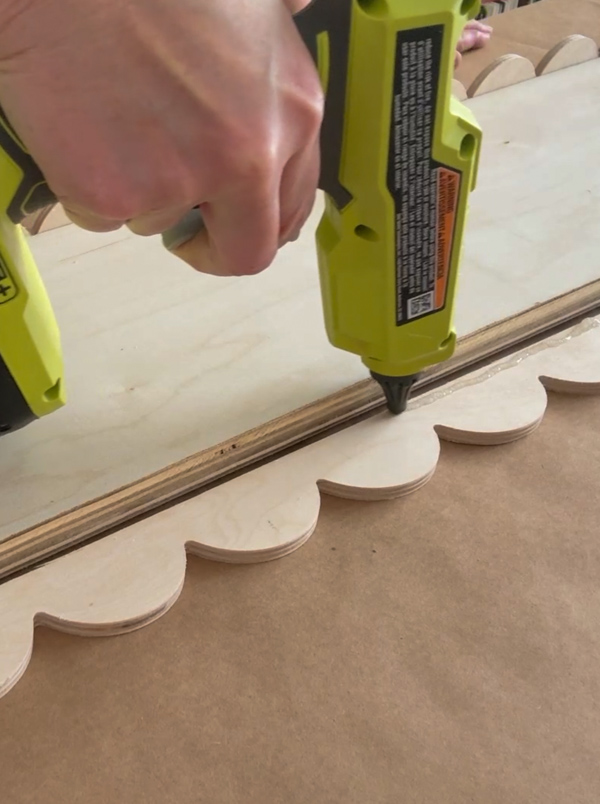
(126, 580)
(162, 363)
(440, 648)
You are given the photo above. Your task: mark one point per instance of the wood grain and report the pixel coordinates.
(125, 581)
(162, 363)
(221, 462)
(158, 377)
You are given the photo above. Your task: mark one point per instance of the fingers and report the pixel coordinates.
(255, 184)
(243, 231)
(197, 253)
(154, 223)
(203, 254)
(295, 231)
(475, 35)
(243, 238)
(151, 223)
(478, 25)
(88, 220)
(298, 191)
(240, 235)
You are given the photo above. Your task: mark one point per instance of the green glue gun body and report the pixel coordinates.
(396, 182)
(399, 157)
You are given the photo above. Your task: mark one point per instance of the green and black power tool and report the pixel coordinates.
(399, 158)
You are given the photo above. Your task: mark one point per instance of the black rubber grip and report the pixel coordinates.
(14, 410)
(33, 192)
(333, 18)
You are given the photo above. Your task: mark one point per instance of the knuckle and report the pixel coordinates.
(255, 158)
(107, 202)
(315, 108)
(91, 223)
(311, 108)
(119, 199)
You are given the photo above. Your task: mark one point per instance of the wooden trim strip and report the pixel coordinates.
(28, 548)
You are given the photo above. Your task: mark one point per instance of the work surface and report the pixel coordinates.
(439, 649)
(161, 362)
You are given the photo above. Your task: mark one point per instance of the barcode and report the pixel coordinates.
(420, 305)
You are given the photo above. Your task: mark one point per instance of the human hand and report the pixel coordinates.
(475, 34)
(138, 110)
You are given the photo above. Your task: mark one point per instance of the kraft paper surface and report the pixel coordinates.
(440, 649)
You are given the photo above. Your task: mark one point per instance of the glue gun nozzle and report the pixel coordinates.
(396, 389)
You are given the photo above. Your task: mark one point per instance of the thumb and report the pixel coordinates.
(189, 241)
(197, 253)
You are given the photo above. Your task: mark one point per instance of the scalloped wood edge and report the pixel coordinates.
(128, 580)
(505, 71)
(510, 68)
(197, 472)
(100, 515)
(569, 52)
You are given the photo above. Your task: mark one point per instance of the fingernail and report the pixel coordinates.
(185, 230)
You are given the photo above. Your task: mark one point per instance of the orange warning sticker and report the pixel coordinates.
(448, 189)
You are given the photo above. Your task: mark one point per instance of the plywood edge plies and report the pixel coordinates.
(127, 580)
